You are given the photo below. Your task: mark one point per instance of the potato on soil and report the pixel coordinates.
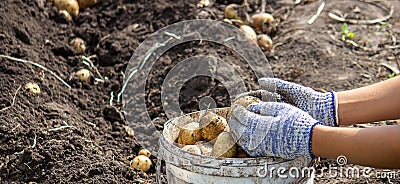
(231, 11)
(142, 162)
(203, 3)
(83, 75)
(265, 42)
(86, 3)
(260, 19)
(144, 152)
(32, 87)
(249, 32)
(192, 149)
(225, 146)
(79, 45)
(65, 15)
(237, 12)
(211, 125)
(71, 6)
(189, 134)
(205, 147)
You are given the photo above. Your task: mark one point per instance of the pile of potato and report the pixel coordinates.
(210, 136)
(67, 10)
(256, 28)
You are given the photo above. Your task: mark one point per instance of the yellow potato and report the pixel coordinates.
(237, 13)
(243, 101)
(228, 21)
(65, 15)
(142, 162)
(211, 125)
(231, 11)
(86, 3)
(79, 45)
(32, 87)
(144, 152)
(83, 75)
(192, 149)
(69, 5)
(225, 146)
(265, 42)
(260, 19)
(203, 3)
(227, 129)
(205, 147)
(249, 32)
(189, 134)
(246, 101)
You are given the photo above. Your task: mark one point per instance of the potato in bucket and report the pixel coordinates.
(205, 147)
(192, 149)
(212, 125)
(241, 168)
(244, 101)
(225, 146)
(189, 134)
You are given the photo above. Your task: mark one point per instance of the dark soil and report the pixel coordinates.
(94, 147)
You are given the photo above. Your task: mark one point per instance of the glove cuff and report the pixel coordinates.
(325, 109)
(334, 108)
(310, 140)
(301, 136)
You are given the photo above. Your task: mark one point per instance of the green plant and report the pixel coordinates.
(346, 33)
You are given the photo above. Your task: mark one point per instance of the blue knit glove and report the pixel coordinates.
(273, 129)
(321, 106)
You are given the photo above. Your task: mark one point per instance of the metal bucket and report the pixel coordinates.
(184, 167)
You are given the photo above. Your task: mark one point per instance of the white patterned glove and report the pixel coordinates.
(321, 106)
(273, 129)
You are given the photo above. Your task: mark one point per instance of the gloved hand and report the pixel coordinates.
(273, 129)
(321, 106)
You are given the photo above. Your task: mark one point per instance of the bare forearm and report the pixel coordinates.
(380, 101)
(375, 147)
